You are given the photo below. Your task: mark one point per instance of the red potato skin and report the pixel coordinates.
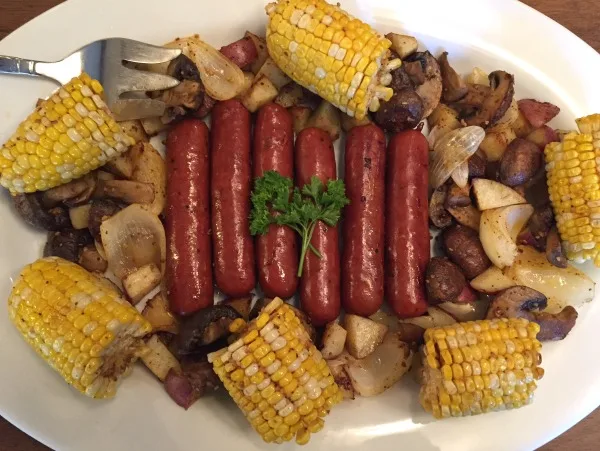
(189, 277)
(536, 112)
(242, 52)
(406, 224)
(363, 224)
(320, 281)
(233, 246)
(277, 250)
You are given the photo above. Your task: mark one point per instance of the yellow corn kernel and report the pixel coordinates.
(479, 385)
(57, 336)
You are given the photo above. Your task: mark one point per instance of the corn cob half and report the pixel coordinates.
(480, 366)
(331, 53)
(67, 136)
(76, 323)
(573, 174)
(277, 376)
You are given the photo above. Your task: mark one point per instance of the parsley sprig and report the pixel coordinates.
(300, 211)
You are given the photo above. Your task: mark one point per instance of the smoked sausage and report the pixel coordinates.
(363, 223)
(320, 281)
(230, 185)
(189, 276)
(406, 223)
(277, 250)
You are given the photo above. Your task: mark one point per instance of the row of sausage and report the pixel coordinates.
(385, 226)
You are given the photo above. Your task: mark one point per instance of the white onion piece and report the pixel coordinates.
(132, 238)
(436, 318)
(562, 286)
(498, 232)
(466, 312)
(382, 368)
(436, 133)
(461, 174)
(221, 78)
(451, 150)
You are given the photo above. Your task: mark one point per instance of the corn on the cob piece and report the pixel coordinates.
(67, 136)
(76, 323)
(331, 53)
(277, 376)
(480, 366)
(573, 173)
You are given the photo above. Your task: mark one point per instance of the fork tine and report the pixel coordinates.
(140, 52)
(130, 109)
(136, 80)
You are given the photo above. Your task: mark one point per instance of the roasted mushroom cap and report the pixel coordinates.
(430, 90)
(67, 244)
(188, 95)
(75, 192)
(205, 327)
(453, 86)
(438, 214)
(30, 208)
(496, 103)
(402, 112)
(555, 326)
(554, 251)
(183, 68)
(519, 301)
(516, 302)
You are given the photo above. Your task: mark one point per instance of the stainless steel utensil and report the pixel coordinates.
(104, 60)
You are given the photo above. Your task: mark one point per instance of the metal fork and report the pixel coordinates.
(104, 60)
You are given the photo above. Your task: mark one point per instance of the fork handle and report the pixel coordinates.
(14, 65)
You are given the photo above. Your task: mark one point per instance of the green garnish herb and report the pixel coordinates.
(272, 204)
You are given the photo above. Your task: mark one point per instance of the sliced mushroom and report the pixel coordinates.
(205, 327)
(453, 86)
(497, 102)
(182, 68)
(258, 306)
(128, 191)
(241, 305)
(188, 94)
(61, 193)
(100, 211)
(431, 89)
(30, 208)
(67, 244)
(554, 250)
(536, 231)
(519, 301)
(516, 302)
(457, 196)
(438, 214)
(555, 326)
(473, 99)
(415, 72)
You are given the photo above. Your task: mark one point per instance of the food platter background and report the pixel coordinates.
(548, 62)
